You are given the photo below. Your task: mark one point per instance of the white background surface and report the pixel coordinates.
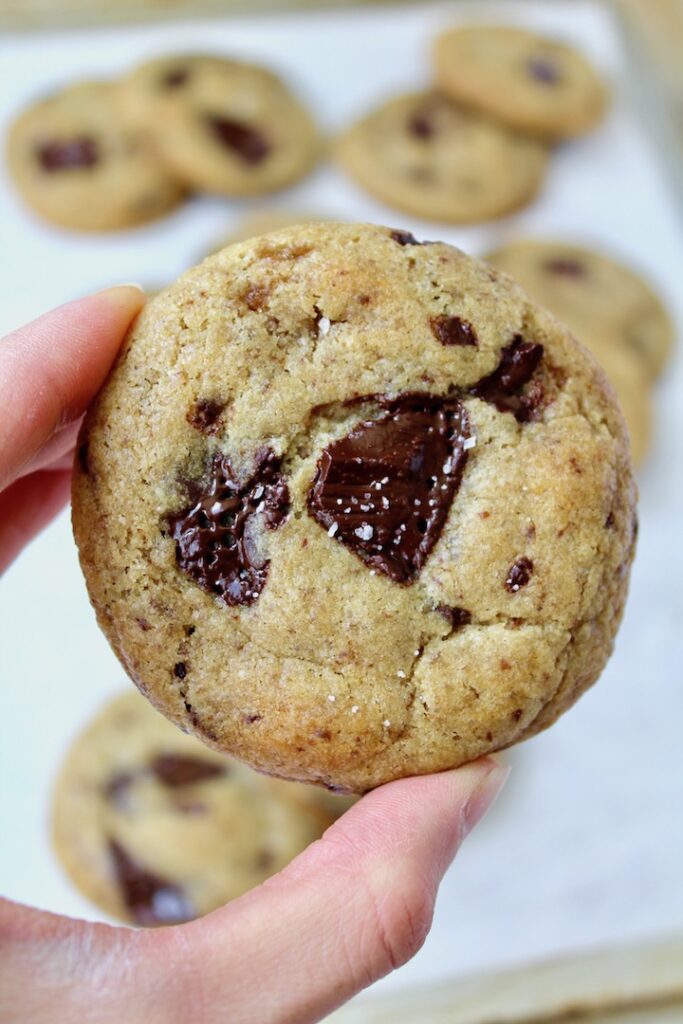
(585, 846)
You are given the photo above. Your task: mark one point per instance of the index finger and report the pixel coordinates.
(51, 369)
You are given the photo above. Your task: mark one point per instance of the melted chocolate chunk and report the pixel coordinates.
(215, 539)
(404, 238)
(544, 70)
(174, 770)
(180, 670)
(242, 139)
(175, 78)
(150, 899)
(503, 387)
(385, 489)
(451, 330)
(519, 575)
(68, 154)
(205, 415)
(457, 617)
(565, 266)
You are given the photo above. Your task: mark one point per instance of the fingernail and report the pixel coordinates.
(484, 795)
(126, 284)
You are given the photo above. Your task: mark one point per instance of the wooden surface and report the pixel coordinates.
(642, 985)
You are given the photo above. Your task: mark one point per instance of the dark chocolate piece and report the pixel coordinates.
(519, 575)
(248, 143)
(457, 617)
(421, 125)
(565, 266)
(174, 770)
(176, 77)
(404, 238)
(544, 70)
(68, 154)
(151, 899)
(116, 790)
(205, 415)
(384, 490)
(503, 387)
(215, 546)
(452, 330)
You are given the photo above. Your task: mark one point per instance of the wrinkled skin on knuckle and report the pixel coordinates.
(400, 914)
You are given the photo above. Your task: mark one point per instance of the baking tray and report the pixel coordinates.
(584, 848)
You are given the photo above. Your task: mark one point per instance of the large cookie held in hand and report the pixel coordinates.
(351, 507)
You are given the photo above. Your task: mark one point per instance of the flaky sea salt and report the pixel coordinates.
(365, 531)
(333, 529)
(324, 325)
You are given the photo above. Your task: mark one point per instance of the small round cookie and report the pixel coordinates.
(352, 507)
(426, 156)
(78, 165)
(156, 828)
(531, 83)
(221, 125)
(603, 302)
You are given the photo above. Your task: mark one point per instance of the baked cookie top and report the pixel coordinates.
(604, 302)
(222, 125)
(423, 154)
(156, 828)
(78, 164)
(352, 507)
(530, 82)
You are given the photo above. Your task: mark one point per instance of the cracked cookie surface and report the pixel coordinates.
(156, 828)
(454, 605)
(221, 125)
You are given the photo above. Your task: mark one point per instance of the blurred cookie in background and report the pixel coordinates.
(425, 155)
(594, 295)
(79, 165)
(529, 82)
(609, 307)
(155, 828)
(220, 125)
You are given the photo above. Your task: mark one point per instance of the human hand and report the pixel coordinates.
(357, 904)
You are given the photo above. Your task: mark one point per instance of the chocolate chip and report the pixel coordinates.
(180, 670)
(143, 624)
(457, 617)
(517, 714)
(452, 330)
(544, 70)
(116, 790)
(175, 78)
(565, 267)
(248, 143)
(151, 899)
(503, 387)
(265, 860)
(421, 125)
(214, 539)
(519, 575)
(384, 490)
(205, 415)
(175, 770)
(404, 238)
(252, 719)
(68, 154)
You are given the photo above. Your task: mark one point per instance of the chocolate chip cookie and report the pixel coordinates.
(423, 154)
(529, 82)
(222, 126)
(352, 507)
(79, 165)
(156, 828)
(608, 307)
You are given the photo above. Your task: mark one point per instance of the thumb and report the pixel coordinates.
(356, 905)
